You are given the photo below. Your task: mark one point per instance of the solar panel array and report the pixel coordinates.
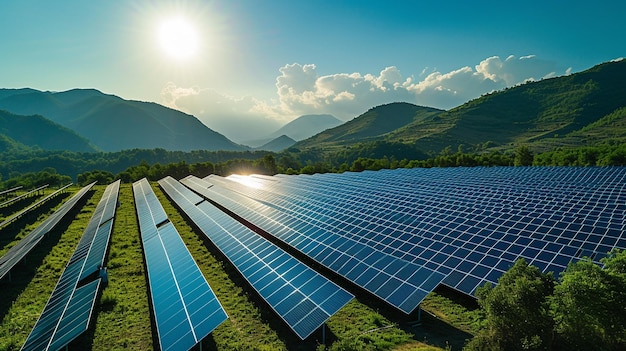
(468, 225)
(68, 311)
(402, 284)
(303, 298)
(16, 253)
(185, 308)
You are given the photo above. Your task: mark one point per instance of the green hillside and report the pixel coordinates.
(9, 145)
(581, 109)
(370, 126)
(36, 131)
(533, 112)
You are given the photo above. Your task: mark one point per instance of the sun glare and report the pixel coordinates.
(178, 38)
(246, 180)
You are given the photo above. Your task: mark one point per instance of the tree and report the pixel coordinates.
(517, 311)
(523, 156)
(589, 304)
(268, 164)
(102, 177)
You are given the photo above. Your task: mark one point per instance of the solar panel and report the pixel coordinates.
(76, 321)
(303, 298)
(400, 283)
(185, 308)
(16, 253)
(68, 310)
(467, 224)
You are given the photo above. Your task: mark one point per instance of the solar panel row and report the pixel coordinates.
(400, 283)
(185, 308)
(9, 191)
(16, 253)
(303, 298)
(467, 224)
(33, 206)
(19, 197)
(68, 310)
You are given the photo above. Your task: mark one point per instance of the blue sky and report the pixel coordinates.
(263, 63)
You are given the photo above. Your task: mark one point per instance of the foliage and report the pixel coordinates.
(607, 154)
(102, 177)
(517, 311)
(523, 156)
(584, 310)
(32, 180)
(74, 163)
(589, 304)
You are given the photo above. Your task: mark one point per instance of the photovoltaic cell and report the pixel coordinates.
(68, 310)
(185, 308)
(303, 298)
(467, 224)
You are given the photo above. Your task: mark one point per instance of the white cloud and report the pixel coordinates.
(301, 90)
(171, 93)
(231, 116)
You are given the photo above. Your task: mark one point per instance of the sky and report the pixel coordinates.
(246, 67)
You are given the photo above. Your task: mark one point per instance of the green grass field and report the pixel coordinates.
(122, 317)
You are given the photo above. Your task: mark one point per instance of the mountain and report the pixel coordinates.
(306, 126)
(540, 114)
(112, 123)
(371, 126)
(580, 109)
(300, 128)
(279, 144)
(37, 131)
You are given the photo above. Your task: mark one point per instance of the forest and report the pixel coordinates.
(36, 168)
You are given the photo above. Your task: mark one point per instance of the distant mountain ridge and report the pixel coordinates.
(584, 108)
(307, 126)
(112, 123)
(279, 144)
(300, 128)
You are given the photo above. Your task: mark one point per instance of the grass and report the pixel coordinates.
(462, 313)
(122, 317)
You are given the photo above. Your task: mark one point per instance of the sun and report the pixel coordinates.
(178, 38)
